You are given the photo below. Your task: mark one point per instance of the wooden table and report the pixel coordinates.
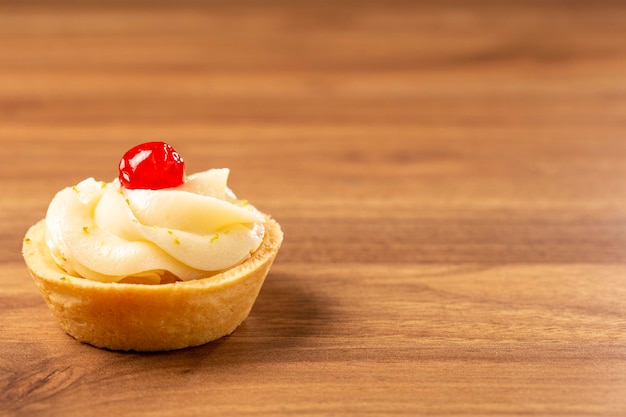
(450, 178)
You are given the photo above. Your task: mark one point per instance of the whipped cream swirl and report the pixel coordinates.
(105, 232)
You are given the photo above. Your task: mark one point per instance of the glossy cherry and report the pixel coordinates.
(151, 165)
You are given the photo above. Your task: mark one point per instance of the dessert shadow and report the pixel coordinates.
(285, 319)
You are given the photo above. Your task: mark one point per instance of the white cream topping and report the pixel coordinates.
(105, 232)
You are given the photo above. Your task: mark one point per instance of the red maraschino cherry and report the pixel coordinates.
(153, 166)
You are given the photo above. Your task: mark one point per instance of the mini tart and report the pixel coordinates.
(141, 317)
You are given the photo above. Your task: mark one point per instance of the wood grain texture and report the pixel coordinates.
(449, 176)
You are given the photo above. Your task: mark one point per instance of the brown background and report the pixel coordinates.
(450, 177)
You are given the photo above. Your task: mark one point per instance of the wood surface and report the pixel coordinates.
(450, 177)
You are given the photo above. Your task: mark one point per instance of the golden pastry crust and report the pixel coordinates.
(150, 317)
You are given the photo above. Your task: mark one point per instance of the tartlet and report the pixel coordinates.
(140, 317)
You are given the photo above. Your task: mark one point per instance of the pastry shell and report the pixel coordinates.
(139, 317)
